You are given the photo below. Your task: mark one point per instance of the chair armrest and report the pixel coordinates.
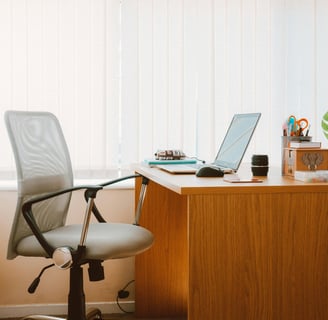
(95, 210)
(107, 183)
(29, 217)
(142, 195)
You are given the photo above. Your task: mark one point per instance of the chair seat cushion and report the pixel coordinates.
(104, 241)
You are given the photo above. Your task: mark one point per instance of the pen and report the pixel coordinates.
(307, 131)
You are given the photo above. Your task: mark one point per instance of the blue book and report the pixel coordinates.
(182, 161)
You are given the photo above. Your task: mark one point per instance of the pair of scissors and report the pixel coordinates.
(302, 124)
(296, 126)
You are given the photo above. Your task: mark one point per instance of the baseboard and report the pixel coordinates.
(16, 311)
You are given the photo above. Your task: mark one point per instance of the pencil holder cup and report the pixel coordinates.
(260, 165)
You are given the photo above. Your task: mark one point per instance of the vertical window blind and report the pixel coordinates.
(128, 77)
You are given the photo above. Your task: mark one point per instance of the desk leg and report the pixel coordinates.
(162, 271)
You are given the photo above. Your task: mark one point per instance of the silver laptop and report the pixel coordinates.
(232, 149)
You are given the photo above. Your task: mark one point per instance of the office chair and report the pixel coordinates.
(45, 186)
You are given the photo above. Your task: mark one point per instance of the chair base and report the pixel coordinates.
(91, 314)
(76, 301)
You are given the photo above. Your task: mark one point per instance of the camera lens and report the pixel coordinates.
(260, 165)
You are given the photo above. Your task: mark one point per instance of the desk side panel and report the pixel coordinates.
(162, 271)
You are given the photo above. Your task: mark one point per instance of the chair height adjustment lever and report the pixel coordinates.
(31, 289)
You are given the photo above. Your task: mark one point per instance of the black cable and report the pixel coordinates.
(122, 294)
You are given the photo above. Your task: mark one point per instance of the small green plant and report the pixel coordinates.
(324, 124)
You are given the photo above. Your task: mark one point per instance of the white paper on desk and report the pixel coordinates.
(236, 179)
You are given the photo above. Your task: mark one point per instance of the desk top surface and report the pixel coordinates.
(190, 184)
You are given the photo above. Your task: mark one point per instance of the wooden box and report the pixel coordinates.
(304, 159)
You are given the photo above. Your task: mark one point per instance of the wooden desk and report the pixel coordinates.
(234, 251)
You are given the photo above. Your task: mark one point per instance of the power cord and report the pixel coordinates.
(200, 160)
(123, 294)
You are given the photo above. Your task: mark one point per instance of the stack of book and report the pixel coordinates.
(305, 144)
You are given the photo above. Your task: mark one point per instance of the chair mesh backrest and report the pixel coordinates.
(43, 165)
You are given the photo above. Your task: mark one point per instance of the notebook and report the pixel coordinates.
(232, 149)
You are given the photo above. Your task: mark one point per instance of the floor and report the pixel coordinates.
(124, 316)
(132, 317)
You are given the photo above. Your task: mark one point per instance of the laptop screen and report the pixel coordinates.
(236, 140)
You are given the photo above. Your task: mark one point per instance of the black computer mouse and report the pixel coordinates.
(209, 171)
